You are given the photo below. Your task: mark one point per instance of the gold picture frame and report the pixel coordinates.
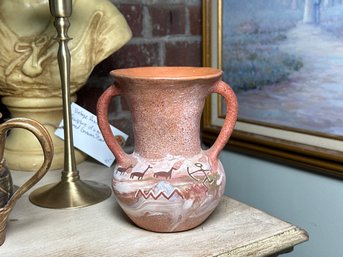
(311, 151)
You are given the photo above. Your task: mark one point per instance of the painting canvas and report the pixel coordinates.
(284, 59)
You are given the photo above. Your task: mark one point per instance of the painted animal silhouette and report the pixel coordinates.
(164, 174)
(139, 175)
(122, 170)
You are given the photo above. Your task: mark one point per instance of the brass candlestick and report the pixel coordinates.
(70, 192)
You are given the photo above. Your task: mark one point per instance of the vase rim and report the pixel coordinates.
(167, 73)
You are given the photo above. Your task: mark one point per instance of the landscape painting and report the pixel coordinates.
(284, 60)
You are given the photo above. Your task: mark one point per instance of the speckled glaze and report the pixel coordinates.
(169, 183)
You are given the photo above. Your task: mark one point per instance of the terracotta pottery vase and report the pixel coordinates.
(8, 197)
(169, 183)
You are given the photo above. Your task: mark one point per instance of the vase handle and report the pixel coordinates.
(42, 134)
(104, 126)
(230, 119)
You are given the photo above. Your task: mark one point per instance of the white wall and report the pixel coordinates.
(310, 201)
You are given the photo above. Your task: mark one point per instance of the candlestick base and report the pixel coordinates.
(70, 194)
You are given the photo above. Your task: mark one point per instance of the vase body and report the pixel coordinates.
(169, 183)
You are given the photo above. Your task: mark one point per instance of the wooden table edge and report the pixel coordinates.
(280, 243)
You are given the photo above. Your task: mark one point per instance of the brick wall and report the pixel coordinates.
(159, 28)
(164, 33)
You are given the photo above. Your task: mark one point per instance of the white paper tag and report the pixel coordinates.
(87, 136)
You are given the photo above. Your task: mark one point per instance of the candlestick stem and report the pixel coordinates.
(70, 192)
(63, 56)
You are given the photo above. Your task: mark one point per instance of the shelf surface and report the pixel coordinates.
(233, 229)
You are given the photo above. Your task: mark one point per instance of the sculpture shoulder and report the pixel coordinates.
(98, 29)
(105, 7)
(108, 18)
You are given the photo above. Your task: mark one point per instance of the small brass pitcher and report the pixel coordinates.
(7, 197)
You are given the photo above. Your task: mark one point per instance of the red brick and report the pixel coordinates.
(88, 96)
(183, 54)
(133, 14)
(130, 55)
(195, 19)
(167, 19)
(133, 55)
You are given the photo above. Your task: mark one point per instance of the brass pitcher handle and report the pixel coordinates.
(45, 141)
(230, 119)
(104, 126)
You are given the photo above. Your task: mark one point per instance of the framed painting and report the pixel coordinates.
(284, 60)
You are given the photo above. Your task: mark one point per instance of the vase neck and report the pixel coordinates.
(166, 118)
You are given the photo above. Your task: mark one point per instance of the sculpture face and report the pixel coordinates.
(29, 50)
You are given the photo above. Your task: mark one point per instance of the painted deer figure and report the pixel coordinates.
(164, 174)
(122, 170)
(139, 175)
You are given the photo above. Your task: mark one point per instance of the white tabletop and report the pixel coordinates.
(234, 229)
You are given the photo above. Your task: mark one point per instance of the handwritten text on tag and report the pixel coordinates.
(87, 136)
